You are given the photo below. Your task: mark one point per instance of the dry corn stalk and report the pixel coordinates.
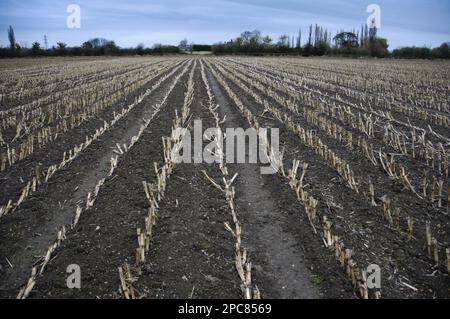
(386, 204)
(428, 237)
(433, 189)
(447, 252)
(327, 232)
(25, 291)
(363, 289)
(397, 218)
(372, 194)
(435, 250)
(410, 222)
(77, 216)
(244, 269)
(126, 282)
(440, 189)
(424, 184)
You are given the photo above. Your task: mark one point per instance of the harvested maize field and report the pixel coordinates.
(95, 204)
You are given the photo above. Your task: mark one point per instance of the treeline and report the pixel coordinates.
(202, 47)
(442, 52)
(93, 47)
(89, 48)
(319, 41)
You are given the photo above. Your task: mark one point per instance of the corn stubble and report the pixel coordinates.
(155, 192)
(325, 115)
(380, 139)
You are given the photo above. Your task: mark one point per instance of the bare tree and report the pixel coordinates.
(184, 45)
(284, 41)
(310, 36)
(299, 39)
(254, 35)
(36, 48)
(12, 38)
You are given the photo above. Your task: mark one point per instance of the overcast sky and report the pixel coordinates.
(129, 22)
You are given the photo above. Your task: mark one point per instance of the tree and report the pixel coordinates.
(12, 39)
(361, 36)
(184, 45)
(98, 43)
(310, 36)
(347, 40)
(87, 48)
(378, 47)
(237, 44)
(253, 44)
(61, 48)
(247, 36)
(87, 45)
(35, 48)
(99, 46)
(443, 52)
(18, 50)
(299, 38)
(267, 41)
(110, 48)
(283, 41)
(202, 47)
(366, 33)
(140, 49)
